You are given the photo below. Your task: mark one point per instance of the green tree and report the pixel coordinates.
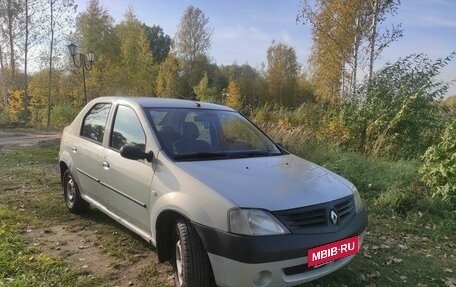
(340, 31)
(137, 72)
(282, 73)
(168, 82)
(66, 98)
(159, 42)
(11, 23)
(233, 97)
(95, 32)
(192, 41)
(247, 79)
(39, 90)
(333, 25)
(11, 32)
(305, 92)
(204, 92)
(193, 37)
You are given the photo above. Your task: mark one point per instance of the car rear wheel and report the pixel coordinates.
(191, 264)
(71, 195)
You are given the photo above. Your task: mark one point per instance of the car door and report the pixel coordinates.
(127, 182)
(87, 150)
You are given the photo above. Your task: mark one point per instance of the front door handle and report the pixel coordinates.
(105, 165)
(74, 149)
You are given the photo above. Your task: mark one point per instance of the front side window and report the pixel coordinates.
(197, 134)
(93, 126)
(127, 129)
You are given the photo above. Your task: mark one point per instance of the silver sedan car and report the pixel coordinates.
(212, 192)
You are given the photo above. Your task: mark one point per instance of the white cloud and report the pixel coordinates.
(439, 22)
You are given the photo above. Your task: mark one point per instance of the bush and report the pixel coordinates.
(3, 118)
(62, 114)
(278, 120)
(397, 114)
(439, 168)
(15, 108)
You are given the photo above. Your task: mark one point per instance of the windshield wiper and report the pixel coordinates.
(246, 154)
(208, 155)
(202, 155)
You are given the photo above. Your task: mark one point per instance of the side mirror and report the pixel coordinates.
(135, 152)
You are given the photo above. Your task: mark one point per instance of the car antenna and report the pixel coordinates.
(198, 104)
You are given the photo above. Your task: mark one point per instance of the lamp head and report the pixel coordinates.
(90, 57)
(72, 48)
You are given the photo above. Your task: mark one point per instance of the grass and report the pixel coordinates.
(21, 265)
(411, 239)
(30, 197)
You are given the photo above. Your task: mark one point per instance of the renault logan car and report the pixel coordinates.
(217, 197)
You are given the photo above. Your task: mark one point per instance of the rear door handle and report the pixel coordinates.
(105, 165)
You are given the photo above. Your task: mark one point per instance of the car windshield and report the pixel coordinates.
(199, 134)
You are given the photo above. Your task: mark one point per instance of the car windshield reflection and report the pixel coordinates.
(198, 134)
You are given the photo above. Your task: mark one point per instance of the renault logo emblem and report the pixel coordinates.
(334, 216)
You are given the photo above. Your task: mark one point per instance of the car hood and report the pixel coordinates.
(272, 183)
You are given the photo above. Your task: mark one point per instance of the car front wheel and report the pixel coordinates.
(190, 261)
(73, 199)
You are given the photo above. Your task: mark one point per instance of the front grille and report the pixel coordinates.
(345, 208)
(316, 218)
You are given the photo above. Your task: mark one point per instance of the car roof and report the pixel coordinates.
(152, 102)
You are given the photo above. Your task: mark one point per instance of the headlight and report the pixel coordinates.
(357, 197)
(254, 222)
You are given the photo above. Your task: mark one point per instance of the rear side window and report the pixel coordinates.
(94, 123)
(127, 129)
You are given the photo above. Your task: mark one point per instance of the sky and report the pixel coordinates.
(243, 30)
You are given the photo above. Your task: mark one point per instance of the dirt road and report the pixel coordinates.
(25, 137)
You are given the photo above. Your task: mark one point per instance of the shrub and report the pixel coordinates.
(439, 168)
(15, 106)
(62, 114)
(397, 114)
(334, 128)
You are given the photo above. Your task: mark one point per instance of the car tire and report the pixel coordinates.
(190, 262)
(71, 195)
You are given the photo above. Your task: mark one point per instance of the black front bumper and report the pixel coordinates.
(262, 249)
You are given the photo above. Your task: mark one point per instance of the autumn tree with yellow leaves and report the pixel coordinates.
(233, 98)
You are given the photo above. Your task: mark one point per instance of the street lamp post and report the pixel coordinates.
(83, 59)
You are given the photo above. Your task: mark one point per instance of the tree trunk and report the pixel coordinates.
(26, 97)
(50, 64)
(2, 80)
(355, 57)
(373, 37)
(342, 86)
(11, 42)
